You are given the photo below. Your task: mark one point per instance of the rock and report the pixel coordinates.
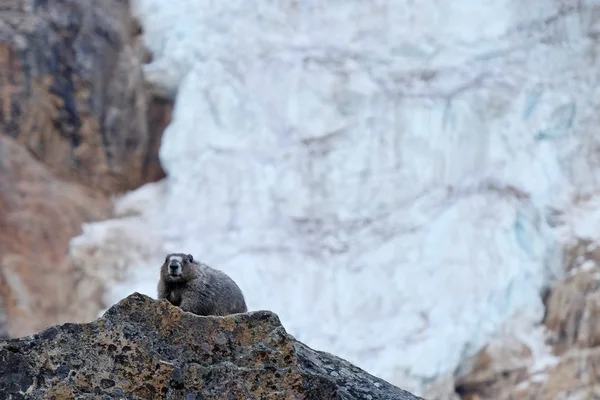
(573, 304)
(493, 363)
(573, 377)
(73, 91)
(142, 348)
(40, 213)
(573, 332)
(517, 353)
(573, 310)
(77, 123)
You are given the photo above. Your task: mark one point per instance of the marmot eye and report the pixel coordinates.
(190, 258)
(167, 259)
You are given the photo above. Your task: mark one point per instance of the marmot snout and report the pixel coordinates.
(197, 288)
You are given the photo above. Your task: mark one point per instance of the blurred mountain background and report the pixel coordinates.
(412, 186)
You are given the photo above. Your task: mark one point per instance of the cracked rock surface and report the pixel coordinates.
(145, 349)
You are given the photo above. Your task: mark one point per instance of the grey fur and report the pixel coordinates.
(198, 288)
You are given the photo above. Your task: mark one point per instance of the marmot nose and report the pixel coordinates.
(173, 265)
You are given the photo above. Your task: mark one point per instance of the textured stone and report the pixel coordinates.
(573, 331)
(494, 362)
(77, 124)
(73, 91)
(142, 348)
(573, 311)
(575, 376)
(573, 304)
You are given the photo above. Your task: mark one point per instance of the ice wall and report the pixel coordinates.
(378, 173)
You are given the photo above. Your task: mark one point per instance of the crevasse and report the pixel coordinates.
(378, 173)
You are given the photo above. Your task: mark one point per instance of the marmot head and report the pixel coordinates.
(178, 267)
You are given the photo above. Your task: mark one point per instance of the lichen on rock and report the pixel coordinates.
(145, 349)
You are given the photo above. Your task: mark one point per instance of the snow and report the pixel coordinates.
(377, 173)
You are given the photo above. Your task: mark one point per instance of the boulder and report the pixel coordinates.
(145, 349)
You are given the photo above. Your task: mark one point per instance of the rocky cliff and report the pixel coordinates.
(147, 349)
(77, 125)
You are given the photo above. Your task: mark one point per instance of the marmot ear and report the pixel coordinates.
(190, 258)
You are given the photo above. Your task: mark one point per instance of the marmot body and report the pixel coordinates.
(198, 288)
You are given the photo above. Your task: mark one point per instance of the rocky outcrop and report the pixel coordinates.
(146, 349)
(572, 333)
(73, 91)
(77, 124)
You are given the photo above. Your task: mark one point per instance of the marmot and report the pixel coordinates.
(198, 288)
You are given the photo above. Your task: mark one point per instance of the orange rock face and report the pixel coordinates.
(77, 124)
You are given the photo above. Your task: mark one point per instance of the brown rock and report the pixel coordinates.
(573, 305)
(147, 349)
(72, 91)
(501, 363)
(40, 213)
(77, 123)
(572, 321)
(572, 311)
(495, 361)
(579, 252)
(576, 376)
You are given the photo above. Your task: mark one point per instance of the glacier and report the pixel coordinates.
(381, 174)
